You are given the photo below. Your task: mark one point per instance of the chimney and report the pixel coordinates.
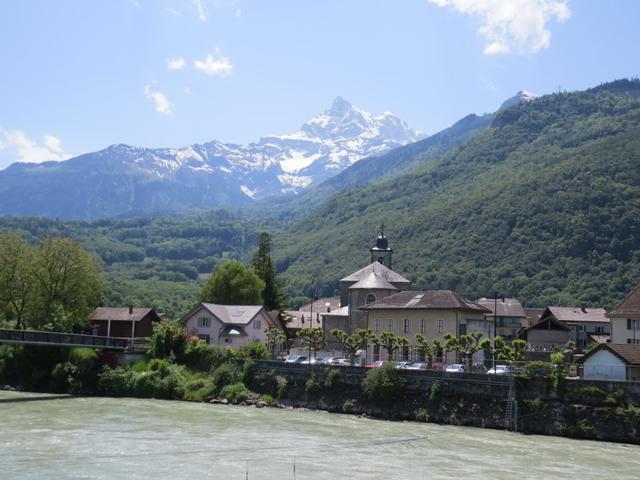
(328, 305)
(583, 307)
(130, 309)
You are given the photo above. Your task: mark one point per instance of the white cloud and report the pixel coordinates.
(214, 65)
(172, 11)
(175, 63)
(238, 13)
(186, 91)
(30, 151)
(512, 26)
(202, 15)
(159, 99)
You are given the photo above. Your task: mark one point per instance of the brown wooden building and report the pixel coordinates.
(123, 322)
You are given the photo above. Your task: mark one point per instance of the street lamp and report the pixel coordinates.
(495, 324)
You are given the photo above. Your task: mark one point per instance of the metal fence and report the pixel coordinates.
(34, 337)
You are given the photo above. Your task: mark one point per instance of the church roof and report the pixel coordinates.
(372, 282)
(379, 269)
(630, 306)
(427, 300)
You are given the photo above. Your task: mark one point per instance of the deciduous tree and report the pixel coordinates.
(233, 284)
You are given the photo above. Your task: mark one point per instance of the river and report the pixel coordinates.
(58, 437)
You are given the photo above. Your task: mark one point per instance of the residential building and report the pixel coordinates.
(509, 317)
(582, 322)
(228, 325)
(127, 322)
(625, 319)
(533, 315)
(432, 313)
(546, 336)
(611, 361)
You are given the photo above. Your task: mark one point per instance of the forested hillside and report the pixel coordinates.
(544, 205)
(151, 261)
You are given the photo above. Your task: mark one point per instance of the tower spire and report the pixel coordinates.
(381, 252)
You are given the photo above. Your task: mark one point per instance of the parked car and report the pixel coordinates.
(417, 366)
(330, 360)
(296, 359)
(377, 364)
(317, 361)
(455, 367)
(438, 366)
(499, 370)
(403, 365)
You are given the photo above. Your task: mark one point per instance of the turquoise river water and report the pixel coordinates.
(57, 437)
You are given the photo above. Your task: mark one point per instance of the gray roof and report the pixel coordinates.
(509, 308)
(427, 300)
(233, 314)
(578, 314)
(122, 314)
(379, 269)
(372, 282)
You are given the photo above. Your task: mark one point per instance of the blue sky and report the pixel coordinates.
(78, 76)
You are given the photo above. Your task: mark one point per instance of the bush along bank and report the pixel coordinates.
(180, 369)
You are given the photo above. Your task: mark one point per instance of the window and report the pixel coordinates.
(257, 324)
(599, 329)
(580, 328)
(390, 325)
(405, 353)
(370, 298)
(377, 325)
(405, 327)
(204, 322)
(422, 326)
(440, 326)
(206, 338)
(462, 329)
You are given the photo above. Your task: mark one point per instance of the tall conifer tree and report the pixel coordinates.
(263, 266)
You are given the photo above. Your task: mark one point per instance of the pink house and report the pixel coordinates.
(228, 325)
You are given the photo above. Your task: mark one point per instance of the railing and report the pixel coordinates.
(34, 337)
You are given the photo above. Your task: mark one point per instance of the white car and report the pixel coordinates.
(455, 367)
(296, 359)
(499, 370)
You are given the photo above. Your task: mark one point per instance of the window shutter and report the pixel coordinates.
(628, 324)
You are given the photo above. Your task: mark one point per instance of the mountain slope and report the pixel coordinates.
(123, 179)
(543, 205)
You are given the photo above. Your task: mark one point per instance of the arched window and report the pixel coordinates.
(371, 298)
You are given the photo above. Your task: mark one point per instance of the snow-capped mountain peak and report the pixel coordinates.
(521, 97)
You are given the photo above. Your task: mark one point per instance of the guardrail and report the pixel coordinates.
(35, 337)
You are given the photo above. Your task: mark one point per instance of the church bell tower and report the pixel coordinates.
(381, 252)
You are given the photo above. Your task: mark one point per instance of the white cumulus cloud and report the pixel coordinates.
(160, 101)
(175, 63)
(512, 26)
(24, 149)
(214, 64)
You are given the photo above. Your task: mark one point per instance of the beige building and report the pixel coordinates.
(228, 325)
(431, 313)
(582, 322)
(545, 336)
(625, 320)
(509, 316)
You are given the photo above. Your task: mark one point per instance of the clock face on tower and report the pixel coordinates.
(381, 260)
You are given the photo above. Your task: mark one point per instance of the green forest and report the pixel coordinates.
(543, 204)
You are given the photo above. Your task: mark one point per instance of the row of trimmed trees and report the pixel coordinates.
(466, 346)
(51, 285)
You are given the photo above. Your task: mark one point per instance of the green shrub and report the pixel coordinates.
(584, 429)
(59, 382)
(384, 384)
(348, 405)
(254, 349)
(237, 393)
(589, 394)
(332, 378)
(534, 404)
(225, 374)
(116, 382)
(616, 399)
(281, 386)
(161, 381)
(421, 415)
(200, 356)
(265, 397)
(311, 386)
(168, 339)
(249, 372)
(198, 388)
(536, 369)
(435, 391)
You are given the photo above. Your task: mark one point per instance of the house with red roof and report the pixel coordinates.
(625, 319)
